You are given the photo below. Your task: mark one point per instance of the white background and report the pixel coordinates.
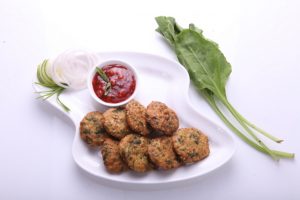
(259, 38)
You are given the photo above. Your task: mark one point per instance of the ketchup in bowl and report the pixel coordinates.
(117, 83)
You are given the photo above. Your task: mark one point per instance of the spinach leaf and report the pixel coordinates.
(168, 28)
(209, 71)
(204, 61)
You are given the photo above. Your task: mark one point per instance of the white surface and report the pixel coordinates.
(259, 38)
(154, 72)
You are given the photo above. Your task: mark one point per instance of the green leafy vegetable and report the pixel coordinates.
(209, 71)
(46, 81)
(104, 77)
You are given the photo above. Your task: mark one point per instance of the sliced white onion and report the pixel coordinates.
(70, 69)
(49, 67)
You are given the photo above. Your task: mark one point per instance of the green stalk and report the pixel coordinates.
(283, 154)
(60, 102)
(242, 123)
(275, 139)
(225, 102)
(214, 106)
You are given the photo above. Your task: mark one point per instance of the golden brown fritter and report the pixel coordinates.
(92, 130)
(136, 117)
(111, 156)
(115, 122)
(134, 151)
(190, 144)
(161, 118)
(161, 153)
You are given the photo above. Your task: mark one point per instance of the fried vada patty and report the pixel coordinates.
(92, 130)
(190, 144)
(115, 122)
(136, 117)
(161, 118)
(161, 153)
(111, 156)
(134, 151)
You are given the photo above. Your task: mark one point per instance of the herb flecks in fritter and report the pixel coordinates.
(92, 129)
(161, 118)
(136, 117)
(161, 153)
(134, 151)
(115, 122)
(190, 144)
(140, 139)
(111, 156)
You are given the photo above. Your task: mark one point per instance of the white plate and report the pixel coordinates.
(162, 80)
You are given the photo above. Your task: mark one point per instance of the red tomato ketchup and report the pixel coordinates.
(121, 83)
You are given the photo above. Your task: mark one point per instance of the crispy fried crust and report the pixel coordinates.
(134, 151)
(161, 118)
(161, 153)
(138, 138)
(136, 117)
(115, 122)
(92, 130)
(190, 144)
(111, 156)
